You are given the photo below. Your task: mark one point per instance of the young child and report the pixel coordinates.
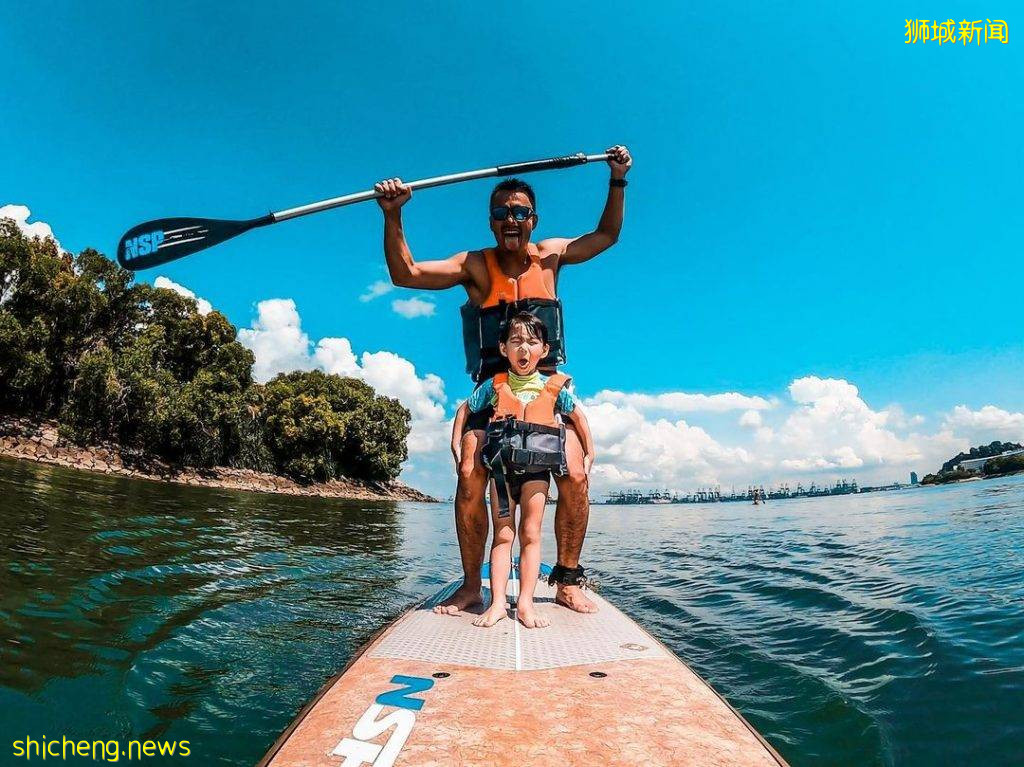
(524, 344)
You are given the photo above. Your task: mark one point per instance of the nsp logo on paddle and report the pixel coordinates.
(144, 244)
(357, 751)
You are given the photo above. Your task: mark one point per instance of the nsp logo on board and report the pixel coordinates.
(144, 244)
(358, 751)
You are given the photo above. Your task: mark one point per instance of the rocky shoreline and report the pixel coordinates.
(40, 441)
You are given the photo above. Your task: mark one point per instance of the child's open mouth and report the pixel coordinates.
(523, 363)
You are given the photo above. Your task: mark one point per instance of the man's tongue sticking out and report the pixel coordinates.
(510, 237)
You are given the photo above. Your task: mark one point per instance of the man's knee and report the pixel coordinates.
(472, 476)
(469, 501)
(576, 481)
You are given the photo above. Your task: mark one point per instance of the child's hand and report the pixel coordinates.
(588, 461)
(457, 452)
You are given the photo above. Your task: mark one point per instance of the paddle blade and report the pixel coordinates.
(166, 239)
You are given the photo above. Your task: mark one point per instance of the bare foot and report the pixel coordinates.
(574, 598)
(463, 598)
(529, 617)
(491, 615)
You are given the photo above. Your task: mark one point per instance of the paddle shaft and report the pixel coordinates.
(451, 178)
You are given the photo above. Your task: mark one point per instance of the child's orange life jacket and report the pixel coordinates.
(523, 437)
(541, 410)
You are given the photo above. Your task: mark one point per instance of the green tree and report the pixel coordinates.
(140, 366)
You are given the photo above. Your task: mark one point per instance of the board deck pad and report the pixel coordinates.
(434, 690)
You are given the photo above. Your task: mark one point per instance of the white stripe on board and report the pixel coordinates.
(515, 621)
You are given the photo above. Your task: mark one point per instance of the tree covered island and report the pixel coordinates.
(115, 362)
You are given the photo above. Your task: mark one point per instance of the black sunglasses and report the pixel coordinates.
(519, 212)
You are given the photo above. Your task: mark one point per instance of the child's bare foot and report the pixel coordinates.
(491, 615)
(529, 616)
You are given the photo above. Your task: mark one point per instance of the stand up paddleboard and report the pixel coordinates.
(435, 690)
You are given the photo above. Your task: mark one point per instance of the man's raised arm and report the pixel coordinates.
(404, 271)
(607, 233)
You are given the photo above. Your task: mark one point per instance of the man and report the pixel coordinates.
(515, 272)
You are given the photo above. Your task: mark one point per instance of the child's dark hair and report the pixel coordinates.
(513, 185)
(533, 326)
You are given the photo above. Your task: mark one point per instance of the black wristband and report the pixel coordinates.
(620, 183)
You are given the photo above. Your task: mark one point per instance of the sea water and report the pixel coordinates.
(883, 628)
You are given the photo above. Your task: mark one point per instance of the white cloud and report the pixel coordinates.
(376, 290)
(280, 345)
(823, 431)
(277, 340)
(751, 418)
(987, 424)
(831, 426)
(682, 402)
(632, 450)
(205, 307)
(20, 214)
(413, 307)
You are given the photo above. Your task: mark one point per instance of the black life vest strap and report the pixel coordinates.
(522, 457)
(495, 455)
(504, 492)
(525, 427)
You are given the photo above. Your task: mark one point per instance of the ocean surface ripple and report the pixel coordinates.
(857, 630)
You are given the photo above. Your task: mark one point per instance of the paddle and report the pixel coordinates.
(166, 239)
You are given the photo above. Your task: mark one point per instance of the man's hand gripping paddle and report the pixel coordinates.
(167, 239)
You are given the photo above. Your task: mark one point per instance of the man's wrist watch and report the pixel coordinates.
(618, 182)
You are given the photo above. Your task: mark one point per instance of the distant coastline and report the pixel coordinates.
(39, 441)
(754, 494)
(996, 459)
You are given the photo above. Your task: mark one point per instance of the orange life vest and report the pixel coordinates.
(481, 325)
(541, 410)
(529, 284)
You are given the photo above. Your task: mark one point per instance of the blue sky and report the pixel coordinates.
(811, 196)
